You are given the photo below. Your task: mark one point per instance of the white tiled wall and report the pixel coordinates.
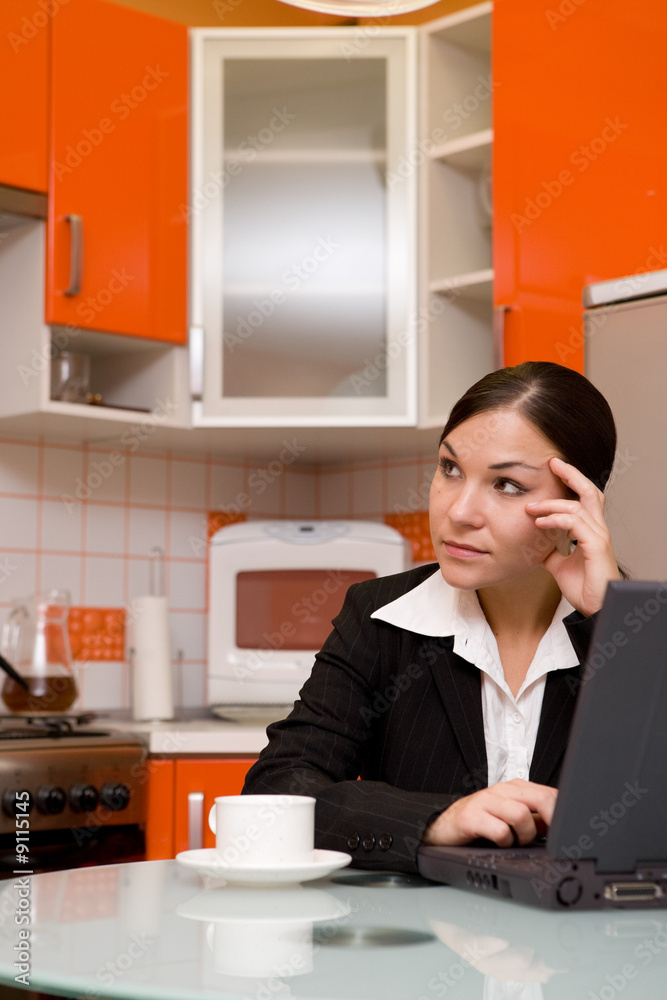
(72, 517)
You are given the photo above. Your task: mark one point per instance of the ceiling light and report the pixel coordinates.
(361, 8)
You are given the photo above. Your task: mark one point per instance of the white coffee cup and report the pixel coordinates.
(263, 830)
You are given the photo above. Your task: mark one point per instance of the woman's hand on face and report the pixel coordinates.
(507, 813)
(582, 576)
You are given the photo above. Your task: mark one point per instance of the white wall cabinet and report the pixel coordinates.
(303, 257)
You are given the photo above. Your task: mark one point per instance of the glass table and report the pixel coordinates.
(157, 930)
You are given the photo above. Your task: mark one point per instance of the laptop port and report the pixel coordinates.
(632, 892)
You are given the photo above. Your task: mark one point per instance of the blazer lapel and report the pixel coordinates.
(560, 696)
(459, 684)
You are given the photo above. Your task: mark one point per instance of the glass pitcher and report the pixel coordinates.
(35, 640)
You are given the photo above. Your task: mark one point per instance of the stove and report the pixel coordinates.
(70, 793)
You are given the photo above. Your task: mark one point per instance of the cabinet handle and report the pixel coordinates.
(196, 362)
(195, 821)
(499, 313)
(75, 254)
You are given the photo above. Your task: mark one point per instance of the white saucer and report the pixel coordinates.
(208, 862)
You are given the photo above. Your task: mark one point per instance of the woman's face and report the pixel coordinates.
(489, 468)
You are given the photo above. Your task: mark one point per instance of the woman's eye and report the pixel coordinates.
(510, 488)
(449, 469)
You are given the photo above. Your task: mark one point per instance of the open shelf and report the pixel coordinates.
(459, 227)
(131, 376)
(469, 28)
(460, 351)
(135, 377)
(469, 152)
(308, 156)
(459, 73)
(474, 285)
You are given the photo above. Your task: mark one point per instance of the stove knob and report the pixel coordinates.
(115, 796)
(51, 800)
(16, 803)
(83, 798)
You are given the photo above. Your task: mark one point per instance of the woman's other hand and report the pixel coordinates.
(583, 574)
(507, 813)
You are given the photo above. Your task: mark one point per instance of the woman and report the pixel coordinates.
(449, 690)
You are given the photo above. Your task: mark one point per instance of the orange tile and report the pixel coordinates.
(414, 526)
(97, 634)
(217, 519)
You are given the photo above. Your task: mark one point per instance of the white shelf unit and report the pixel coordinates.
(455, 209)
(138, 380)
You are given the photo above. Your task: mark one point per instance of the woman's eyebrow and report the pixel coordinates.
(520, 465)
(449, 448)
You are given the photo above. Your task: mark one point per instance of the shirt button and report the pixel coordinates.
(516, 717)
(385, 841)
(521, 774)
(353, 841)
(368, 843)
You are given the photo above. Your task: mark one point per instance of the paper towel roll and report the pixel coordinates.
(152, 682)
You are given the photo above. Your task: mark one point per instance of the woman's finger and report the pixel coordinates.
(555, 506)
(573, 519)
(575, 524)
(499, 813)
(587, 491)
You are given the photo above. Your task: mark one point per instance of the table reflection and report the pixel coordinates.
(263, 932)
(156, 931)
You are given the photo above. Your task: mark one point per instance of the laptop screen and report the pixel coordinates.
(612, 802)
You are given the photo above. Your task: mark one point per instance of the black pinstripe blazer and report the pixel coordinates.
(403, 713)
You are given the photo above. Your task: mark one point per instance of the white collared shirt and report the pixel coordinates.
(510, 723)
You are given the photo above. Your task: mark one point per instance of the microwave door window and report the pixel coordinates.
(290, 609)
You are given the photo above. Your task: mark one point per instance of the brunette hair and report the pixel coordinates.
(560, 402)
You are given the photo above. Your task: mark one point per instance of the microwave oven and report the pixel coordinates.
(274, 587)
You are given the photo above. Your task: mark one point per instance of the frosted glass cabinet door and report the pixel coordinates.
(303, 259)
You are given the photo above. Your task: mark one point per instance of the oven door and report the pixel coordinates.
(76, 847)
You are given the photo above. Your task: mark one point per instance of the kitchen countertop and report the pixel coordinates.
(158, 931)
(192, 731)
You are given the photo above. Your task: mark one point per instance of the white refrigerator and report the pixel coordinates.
(625, 350)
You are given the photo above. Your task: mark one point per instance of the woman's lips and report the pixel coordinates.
(460, 551)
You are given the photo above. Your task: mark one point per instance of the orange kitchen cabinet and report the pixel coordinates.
(118, 171)
(160, 809)
(24, 28)
(170, 784)
(580, 178)
(213, 778)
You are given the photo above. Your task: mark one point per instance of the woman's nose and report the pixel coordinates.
(466, 508)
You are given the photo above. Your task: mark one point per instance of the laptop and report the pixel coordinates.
(607, 844)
